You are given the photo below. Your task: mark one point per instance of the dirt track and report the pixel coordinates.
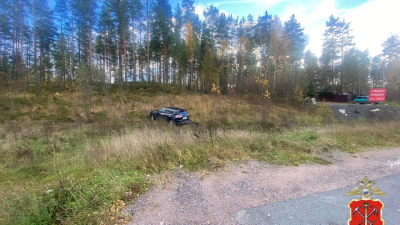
(211, 198)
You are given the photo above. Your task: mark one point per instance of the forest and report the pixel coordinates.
(150, 41)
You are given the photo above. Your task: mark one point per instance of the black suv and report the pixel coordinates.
(173, 115)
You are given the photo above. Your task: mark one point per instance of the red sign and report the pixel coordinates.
(377, 95)
(366, 212)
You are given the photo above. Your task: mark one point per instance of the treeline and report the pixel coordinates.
(145, 40)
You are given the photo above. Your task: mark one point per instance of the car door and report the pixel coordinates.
(169, 114)
(161, 114)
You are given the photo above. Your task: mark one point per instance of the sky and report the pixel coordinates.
(372, 21)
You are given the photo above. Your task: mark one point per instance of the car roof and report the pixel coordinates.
(175, 108)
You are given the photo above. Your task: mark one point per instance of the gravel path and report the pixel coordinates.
(365, 111)
(212, 197)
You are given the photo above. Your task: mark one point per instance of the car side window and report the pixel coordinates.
(161, 111)
(169, 112)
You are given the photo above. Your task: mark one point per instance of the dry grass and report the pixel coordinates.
(132, 107)
(158, 148)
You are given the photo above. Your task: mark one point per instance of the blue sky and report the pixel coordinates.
(373, 21)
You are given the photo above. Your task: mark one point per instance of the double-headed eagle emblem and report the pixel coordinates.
(365, 190)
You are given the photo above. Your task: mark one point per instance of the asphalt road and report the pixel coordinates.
(329, 208)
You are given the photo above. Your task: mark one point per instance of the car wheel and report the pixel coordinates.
(153, 118)
(357, 103)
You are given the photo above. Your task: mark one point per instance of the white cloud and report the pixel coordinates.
(199, 9)
(228, 13)
(373, 22)
(264, 3)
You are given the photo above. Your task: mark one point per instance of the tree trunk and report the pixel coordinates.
(341, 65)
(120, 58)
(90, 40)
(28, 61)
(14, 57)
(34, 40)
(84, 49)
(165, 75)
(104, 51)
(148, 43)
(332, 50)
(125, 59)
(120, 64)
(191, 73)
(79, 47)
(0, 51)
(72, 43)
(133, 47)
(160, 71)
(140, 53)
(22, 44)
(42, 76)
(179, 70)
(48, 71)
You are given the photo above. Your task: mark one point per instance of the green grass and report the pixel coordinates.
(62, 164)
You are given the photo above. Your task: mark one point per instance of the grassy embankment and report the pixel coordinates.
(64, 162)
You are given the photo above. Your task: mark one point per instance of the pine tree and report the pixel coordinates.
(148, 12)
(120, 17)
(391, 53)
(345, 41)
(211, 18)
(311, 70)
(5, 34)
(190, 46)
(46, 31)
(391, 48)
(331, 49)
(107, 30)
(262, 35)
(161, 36)
(135, 7)
(243, 46)
(377, 72)
(61, 54)
(177, 48)
(295, 39)
(282, 82)
(356, 66)
(208, 68)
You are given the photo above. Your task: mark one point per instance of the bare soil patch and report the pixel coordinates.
(212, 197)
(365, 112)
